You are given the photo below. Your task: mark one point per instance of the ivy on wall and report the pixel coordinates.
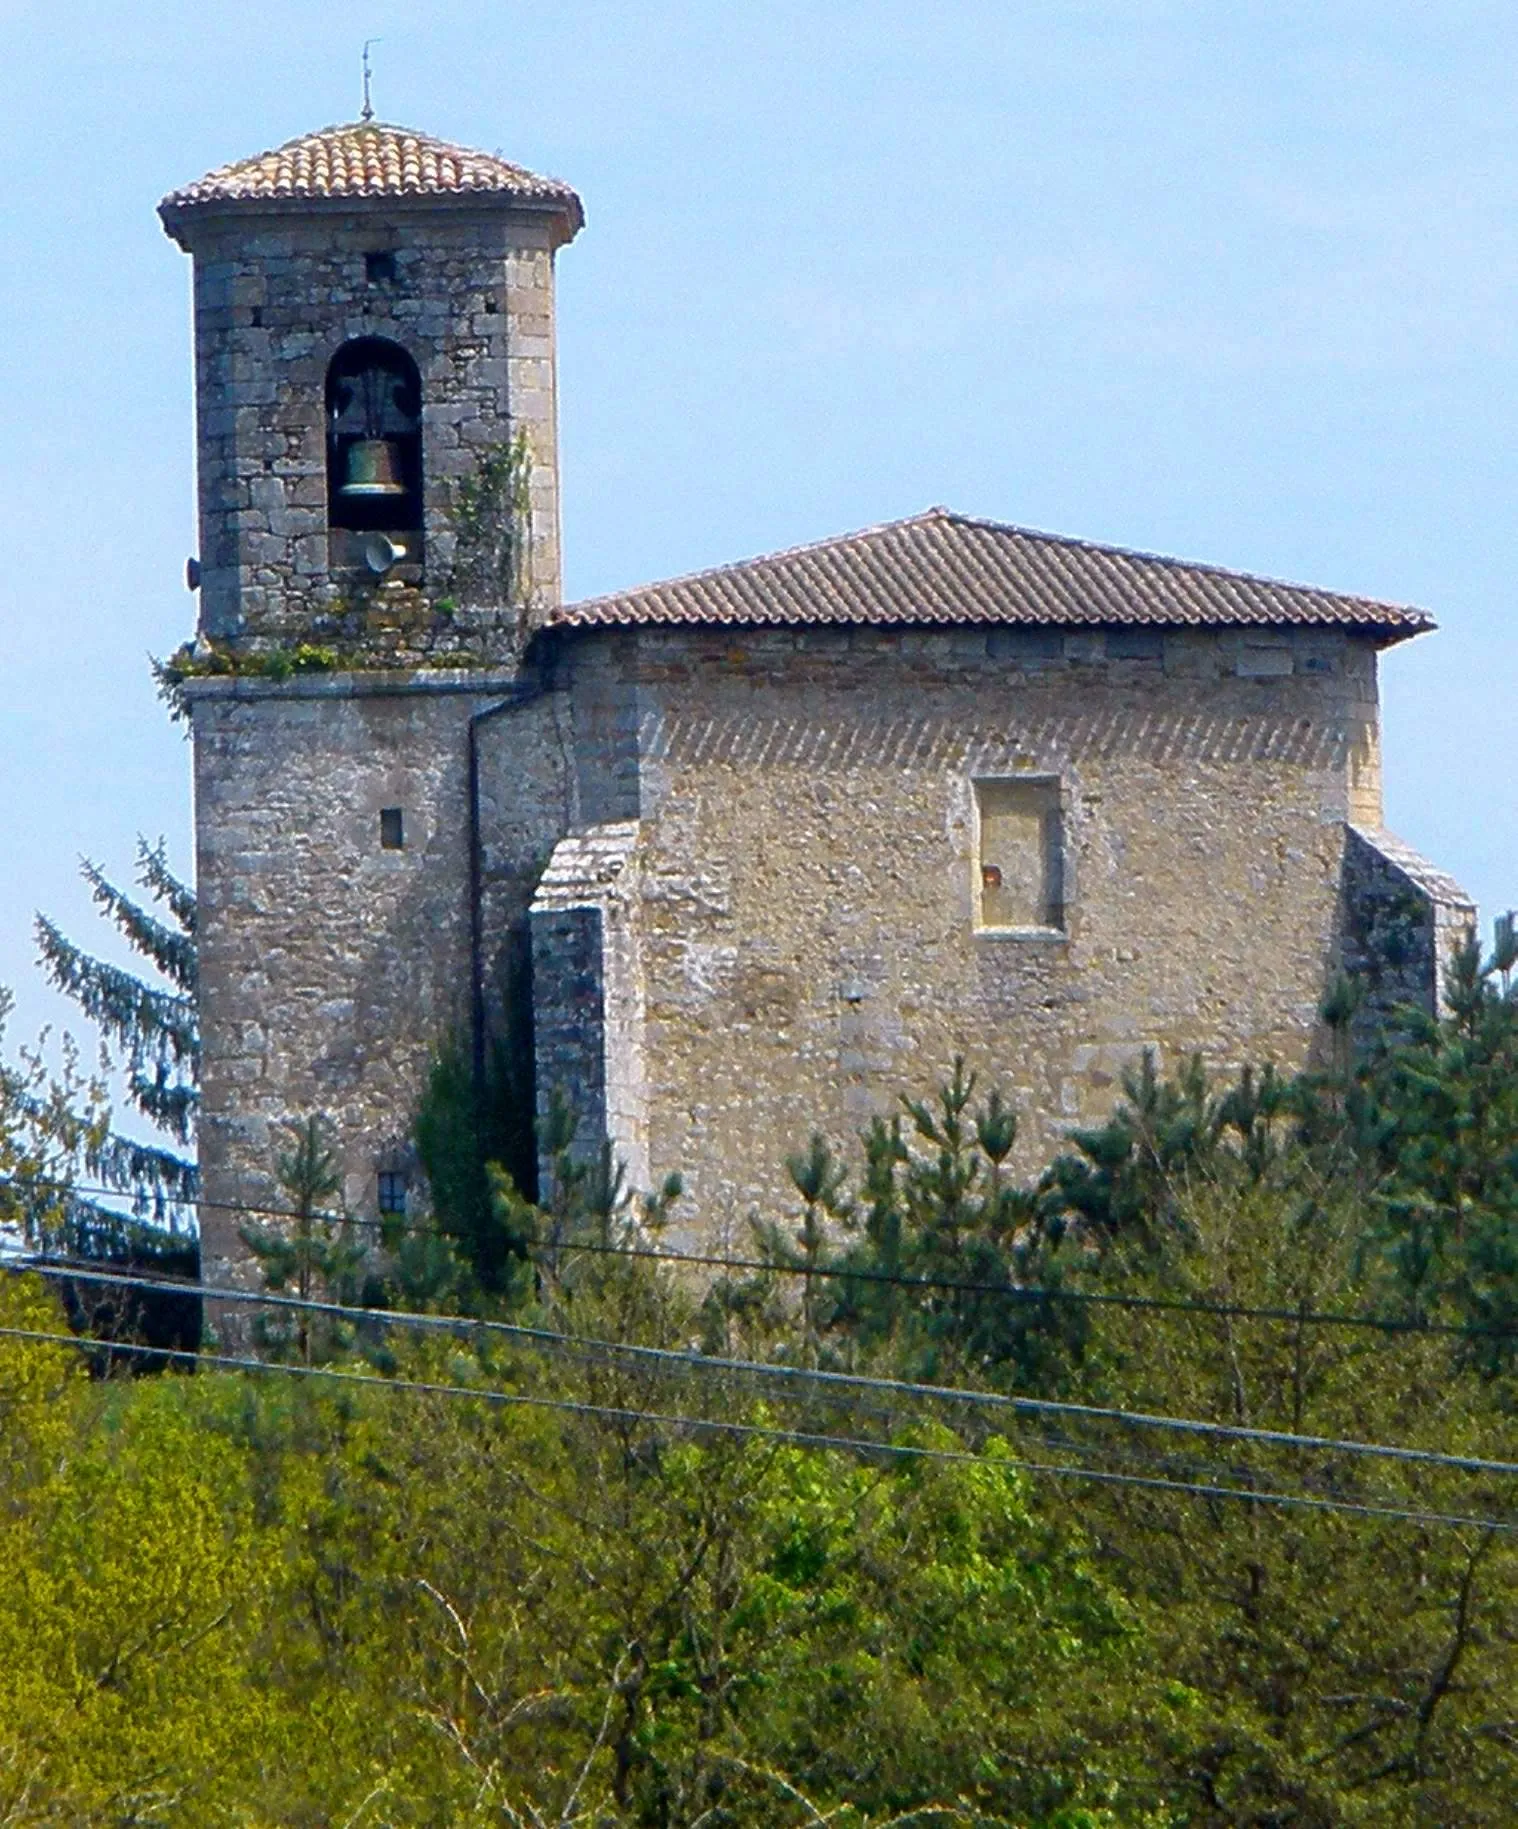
(492, 554)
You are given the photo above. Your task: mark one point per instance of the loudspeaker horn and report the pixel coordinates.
(381, 552)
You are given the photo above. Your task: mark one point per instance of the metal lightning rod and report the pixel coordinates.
(367, 112)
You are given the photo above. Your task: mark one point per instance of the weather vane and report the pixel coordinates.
(367, 113)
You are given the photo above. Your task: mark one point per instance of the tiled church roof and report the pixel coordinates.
(945, 569)
(370, 159)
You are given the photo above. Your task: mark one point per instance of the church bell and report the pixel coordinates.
(373, 468)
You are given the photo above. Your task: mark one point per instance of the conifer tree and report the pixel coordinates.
(149, 1026)
(820, 1179)
(1435, 1110)
(314, 1254)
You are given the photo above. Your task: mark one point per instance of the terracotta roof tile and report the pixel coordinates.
(369, 159)
(950, 569)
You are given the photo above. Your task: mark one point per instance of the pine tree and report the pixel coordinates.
(1437, 1108)
(316, 1255)
(149, 1025)
(820, 1179)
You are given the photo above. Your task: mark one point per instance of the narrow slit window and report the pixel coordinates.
(392, 829)
(1019, 857)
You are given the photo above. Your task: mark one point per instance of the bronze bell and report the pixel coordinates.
(373, 468)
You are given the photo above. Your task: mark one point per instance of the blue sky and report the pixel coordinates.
(1236, 282)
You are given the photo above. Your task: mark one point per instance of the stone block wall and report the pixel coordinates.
(331, 966)
(746, 866)
(276, 294)
(807, 883)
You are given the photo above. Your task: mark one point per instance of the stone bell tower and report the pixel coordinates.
(374, 372)
(379, 534)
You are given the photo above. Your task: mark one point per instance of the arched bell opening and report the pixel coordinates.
(374, 439)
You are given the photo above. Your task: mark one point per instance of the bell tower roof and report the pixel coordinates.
(360, 160)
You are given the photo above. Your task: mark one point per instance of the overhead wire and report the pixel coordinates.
(594, 1352)
(797, 1437)
(1034, 1293)
(587, 1350)
(1030, 1294)
(795, 1375)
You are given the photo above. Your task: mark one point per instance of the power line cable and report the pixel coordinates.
(1110, 1453)
(593, 1352)
(792, 1374)
(1032, 1293)
(762, 1431)
(1026, 1293)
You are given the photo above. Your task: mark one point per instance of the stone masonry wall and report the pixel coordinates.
(807, 877)
(750, 863)
(331, 967)
(275, 296)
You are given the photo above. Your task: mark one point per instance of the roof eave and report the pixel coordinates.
(564, 620)
(182, 218)
(1389, 637)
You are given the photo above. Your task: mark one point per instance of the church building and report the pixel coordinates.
(761, 847)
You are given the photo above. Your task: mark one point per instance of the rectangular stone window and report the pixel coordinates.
(1019, 856)
(392, 829)
(392, 1191)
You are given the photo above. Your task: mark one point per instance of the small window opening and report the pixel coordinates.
(257, 317)
(374, 438)
(1019, 856)
(392, 1191)
(379, 266)
(392, 829)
